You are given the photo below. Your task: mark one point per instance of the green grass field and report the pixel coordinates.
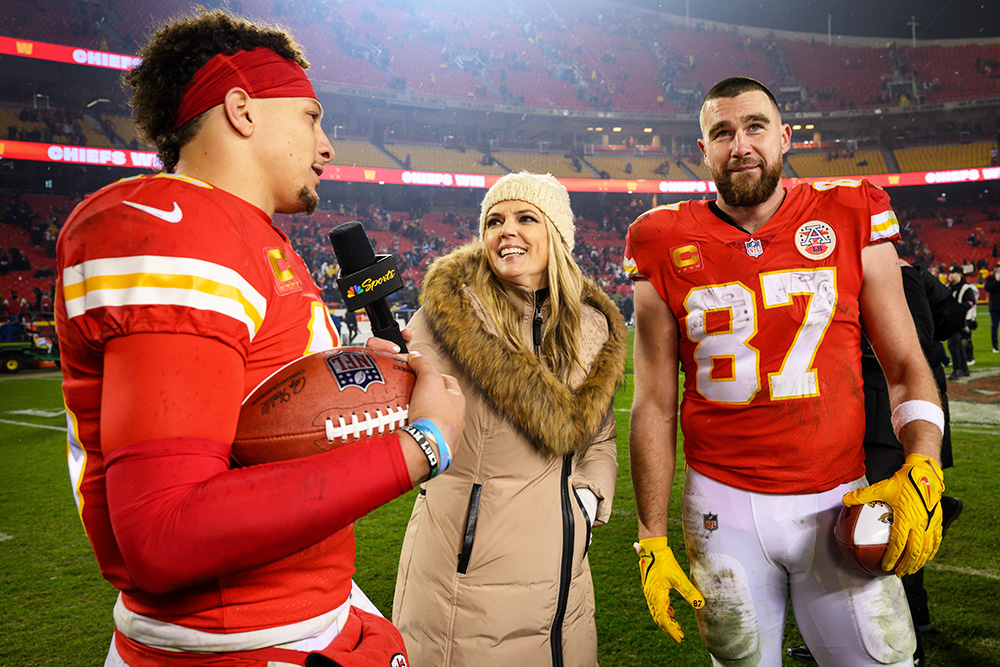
(56, 610)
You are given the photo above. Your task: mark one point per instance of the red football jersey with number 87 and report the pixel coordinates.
(769, 332)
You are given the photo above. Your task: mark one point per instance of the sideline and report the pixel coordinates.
(45, 426)
(33, 374)
(988, 574)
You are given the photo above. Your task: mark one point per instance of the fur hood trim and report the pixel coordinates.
(557, 420)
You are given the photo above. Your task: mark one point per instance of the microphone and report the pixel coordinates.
(365, 280)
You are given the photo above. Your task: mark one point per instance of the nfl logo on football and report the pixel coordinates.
(354, 369)
(711, 522)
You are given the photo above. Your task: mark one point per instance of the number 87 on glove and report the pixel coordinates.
(660, 573)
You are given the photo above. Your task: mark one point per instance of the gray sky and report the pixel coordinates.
(938, 19)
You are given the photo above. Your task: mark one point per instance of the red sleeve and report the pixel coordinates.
(195, 274)
(182, 517)
(647, 244)
(884, 225)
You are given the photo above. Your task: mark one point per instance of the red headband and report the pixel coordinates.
(261, 72)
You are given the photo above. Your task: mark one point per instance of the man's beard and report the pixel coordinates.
(309, 200)
(744, 192)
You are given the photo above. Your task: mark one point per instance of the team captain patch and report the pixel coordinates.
(686, 259)
(815, 240)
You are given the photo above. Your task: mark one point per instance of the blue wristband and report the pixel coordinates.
(431, 430)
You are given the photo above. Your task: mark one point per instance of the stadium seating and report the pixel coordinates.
(568, 59)
(630, 60)
(357, 153)
(949, 156)
(839, 77)
(557, 164)
(712, 56)
(642, 167)
(56, 21)
(436, 158)
(955, 72)
(822, 163)
(950, 245)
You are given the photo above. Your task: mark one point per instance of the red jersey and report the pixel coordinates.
(169, 254)
(770, 336)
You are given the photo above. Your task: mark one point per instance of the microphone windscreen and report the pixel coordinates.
(351, 246)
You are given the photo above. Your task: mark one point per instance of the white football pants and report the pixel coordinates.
(750, 553)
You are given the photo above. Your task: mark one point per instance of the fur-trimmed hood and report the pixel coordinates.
(554, 418)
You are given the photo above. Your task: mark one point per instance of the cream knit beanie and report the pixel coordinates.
(542, 191)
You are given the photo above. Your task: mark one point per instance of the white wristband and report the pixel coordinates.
(908, 411)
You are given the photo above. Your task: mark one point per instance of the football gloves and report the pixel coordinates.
(914, 494)
(660, 573)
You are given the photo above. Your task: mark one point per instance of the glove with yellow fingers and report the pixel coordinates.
(914, 494)
(660, 573)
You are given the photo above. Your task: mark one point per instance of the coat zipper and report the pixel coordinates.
(566, 567)
(469, 535)
(568, 523)
(536, 320)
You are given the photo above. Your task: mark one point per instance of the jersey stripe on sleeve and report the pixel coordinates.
(146, 280)
(884, 226)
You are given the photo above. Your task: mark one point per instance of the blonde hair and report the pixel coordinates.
(560, 345)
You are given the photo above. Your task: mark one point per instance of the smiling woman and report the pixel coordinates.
(494, 567)
(517, 244)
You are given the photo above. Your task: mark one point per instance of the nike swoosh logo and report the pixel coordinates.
(167, 216)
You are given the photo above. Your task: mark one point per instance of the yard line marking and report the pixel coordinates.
(38, 413)
(964, 570)
(51, 428)
(4, 537)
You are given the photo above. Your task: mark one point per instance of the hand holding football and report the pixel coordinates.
(321, 401)
(862, 532)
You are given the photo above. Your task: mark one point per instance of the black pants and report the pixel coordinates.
(956, 348)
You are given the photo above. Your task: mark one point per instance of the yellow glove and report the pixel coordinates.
(914, 494)
(660, 573)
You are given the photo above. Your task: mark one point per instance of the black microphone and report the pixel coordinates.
(365, 280)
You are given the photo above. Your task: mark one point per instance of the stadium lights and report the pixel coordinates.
(616, 129)
(647, 130)
(810, 126)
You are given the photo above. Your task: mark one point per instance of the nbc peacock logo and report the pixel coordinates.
(354, 291)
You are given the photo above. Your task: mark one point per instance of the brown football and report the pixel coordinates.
(321, 401)
(862, 532)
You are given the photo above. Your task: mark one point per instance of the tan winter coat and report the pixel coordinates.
(493, 569)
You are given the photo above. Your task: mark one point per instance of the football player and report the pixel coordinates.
(760, 297)
(176, 297)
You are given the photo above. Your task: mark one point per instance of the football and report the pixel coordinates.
(862, 533)
(323, 400)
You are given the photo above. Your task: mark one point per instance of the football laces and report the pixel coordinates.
(387, 422)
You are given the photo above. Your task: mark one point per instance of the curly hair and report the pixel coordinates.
(175, 52)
